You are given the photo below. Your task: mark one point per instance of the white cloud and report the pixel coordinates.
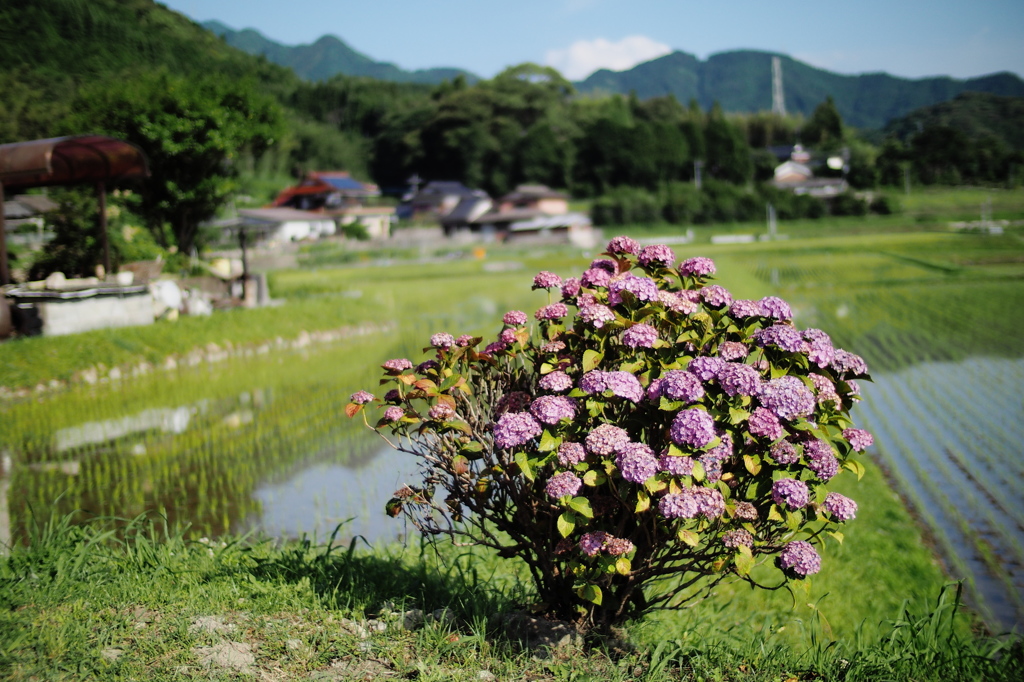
(584, 57)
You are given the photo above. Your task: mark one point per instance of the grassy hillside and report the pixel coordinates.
(976, 114)
(742, 81)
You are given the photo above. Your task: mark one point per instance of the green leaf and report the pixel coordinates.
(623, 566)
(524, 464)
(744, 560)
(837, 535)
(698, 471)
(855, 466)
(774, 515)
(752, 464)
(566, 523)
(631, 367)
(643, 501)
(472, 450)
(737, 416)
(548, 442)
(582, 505)
(591, 359)
(591, 593)
(689, 537)
(450, 381)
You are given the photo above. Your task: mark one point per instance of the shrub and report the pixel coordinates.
(885, 204)
(649, 438)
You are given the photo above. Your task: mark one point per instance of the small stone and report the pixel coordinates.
(486, 675)
(237, 655)
(111, 654)
(353, 629)
(442, 616)
(412, 619)
(293, 644)
(211, 624)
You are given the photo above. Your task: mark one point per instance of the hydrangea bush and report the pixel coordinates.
(644, 438)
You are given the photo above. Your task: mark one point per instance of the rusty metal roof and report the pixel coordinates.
(69, 161)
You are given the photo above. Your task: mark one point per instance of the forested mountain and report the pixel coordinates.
(328, 56)
(742, 81)
(974, 114)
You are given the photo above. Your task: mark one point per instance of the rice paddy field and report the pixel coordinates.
(260, 443)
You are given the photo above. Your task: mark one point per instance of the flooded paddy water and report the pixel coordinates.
(262, 443)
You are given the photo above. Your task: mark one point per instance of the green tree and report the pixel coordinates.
(825, 126)
(191, 130)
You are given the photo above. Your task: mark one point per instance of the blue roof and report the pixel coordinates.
(344, 183)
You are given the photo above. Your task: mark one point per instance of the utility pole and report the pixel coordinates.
(772, 225)
(778, 98)
(697, 166)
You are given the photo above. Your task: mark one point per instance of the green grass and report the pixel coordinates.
(79, 603)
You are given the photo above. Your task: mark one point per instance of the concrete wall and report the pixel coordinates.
(78, 315)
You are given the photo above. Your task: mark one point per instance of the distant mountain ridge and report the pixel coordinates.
(741, 80)
(327, 57)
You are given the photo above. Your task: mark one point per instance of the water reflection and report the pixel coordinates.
(951, 434)
(324, 494)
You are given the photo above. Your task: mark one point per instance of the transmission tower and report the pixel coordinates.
(778, 99)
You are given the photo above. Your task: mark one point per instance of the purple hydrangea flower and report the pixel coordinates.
(605, 439)
(397, 365)
(361, 397)
(592, 543)
(642, 288)
(705, 368)
(860, 440)
(596, 315)
(596, 277)
(800, 558)
(784, 452)
(624, 385)
(571, 454)
(765, 424)
(495, 347)
(745, 511)
(623, 245)
(556, 382)
(570, 288)
(824, 387)
(640, 336)
(820, 458)
(553, 346)
(464, 340)
(606, 264)
(681, 385)
(675, 465)
(618, 546)
(840, 506)
(636, 462)
(546, 280)
(393, 396)
(693, 428)
(565, 483)
(442, 340)
(393, 413)
(854, 387)
(776, 308)
(551, 409)
(593, 382)
(441, 412)
(514, 318)
(787, 397)
(845, 362)
(555, 311)
(679, 505)
(710, 502)
(712, 468)
(716, 296)
(685, 302)
(657, 255)
(743, 308)
(737, 538)
(735, 378)
(781, 335)
(585, 299)
(732, 350)
(697, 267)
(515, 428)
(507, 336)
(820, 351)
(790, 492)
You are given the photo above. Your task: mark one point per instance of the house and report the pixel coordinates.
(375, 219)
(325, 190)
(285, 224)
(796, 175)
(540, 198)
(437, 198)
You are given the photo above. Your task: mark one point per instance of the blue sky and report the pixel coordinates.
(910, 38)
